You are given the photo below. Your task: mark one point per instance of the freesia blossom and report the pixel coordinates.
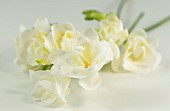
(88, 56)
(51, 87)
(138, 54)
(111, 28)
(31, 49)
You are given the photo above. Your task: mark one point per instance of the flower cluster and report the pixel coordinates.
(55, 54)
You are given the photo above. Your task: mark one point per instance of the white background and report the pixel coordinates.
(117, 92)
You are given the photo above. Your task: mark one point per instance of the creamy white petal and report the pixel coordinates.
(42, 25)
(44, 93)
(74, 71)
(66, 44)
(158, 58)
(68, 26)
(139, 32)
(116, 65)
(27, 36)
(115, 49)
(90, 83)
(22, 43)
(62, 82)
(57, 32)
(59, 56)
(49, 43)
(91, 34)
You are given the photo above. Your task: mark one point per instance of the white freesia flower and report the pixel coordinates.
(31, 47)
(45, 93)
(50, 86)
(64, 36)
(139, 54)
(111, 28)
(87, 57)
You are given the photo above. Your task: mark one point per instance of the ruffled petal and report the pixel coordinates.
(44, 93)
(59, 56)
(22, 44)
(61, 82)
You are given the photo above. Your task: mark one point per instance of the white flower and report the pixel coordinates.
(31, 47)
(87, 57)
(64, 36)
(45, 93)
(112, 28)
(139, 54)
(50, 86)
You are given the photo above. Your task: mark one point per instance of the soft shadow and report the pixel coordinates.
(75, 98)
(107, 68)
(25, 97)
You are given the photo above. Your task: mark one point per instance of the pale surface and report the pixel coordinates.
(117, 92)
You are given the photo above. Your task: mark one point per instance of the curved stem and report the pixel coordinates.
(120, 7)
(159, 23)
(136, 22)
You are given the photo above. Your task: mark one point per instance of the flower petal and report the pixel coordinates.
(90, 83)
(59, 56)
(115, 49)
(139, 32)
(74, 71)
(49, 44)
(42, 25)
(57, 32)
(61, 81)
(68, 26)
(66, 44)
(91, 34)
(116, 65)
(22, 44)
(44, 93)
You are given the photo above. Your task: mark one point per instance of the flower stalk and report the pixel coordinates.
(158, 24)
(120, 7)
(136, 22)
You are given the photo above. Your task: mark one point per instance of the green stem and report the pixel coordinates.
(120, 7)
(159, 23)
(136, 22)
